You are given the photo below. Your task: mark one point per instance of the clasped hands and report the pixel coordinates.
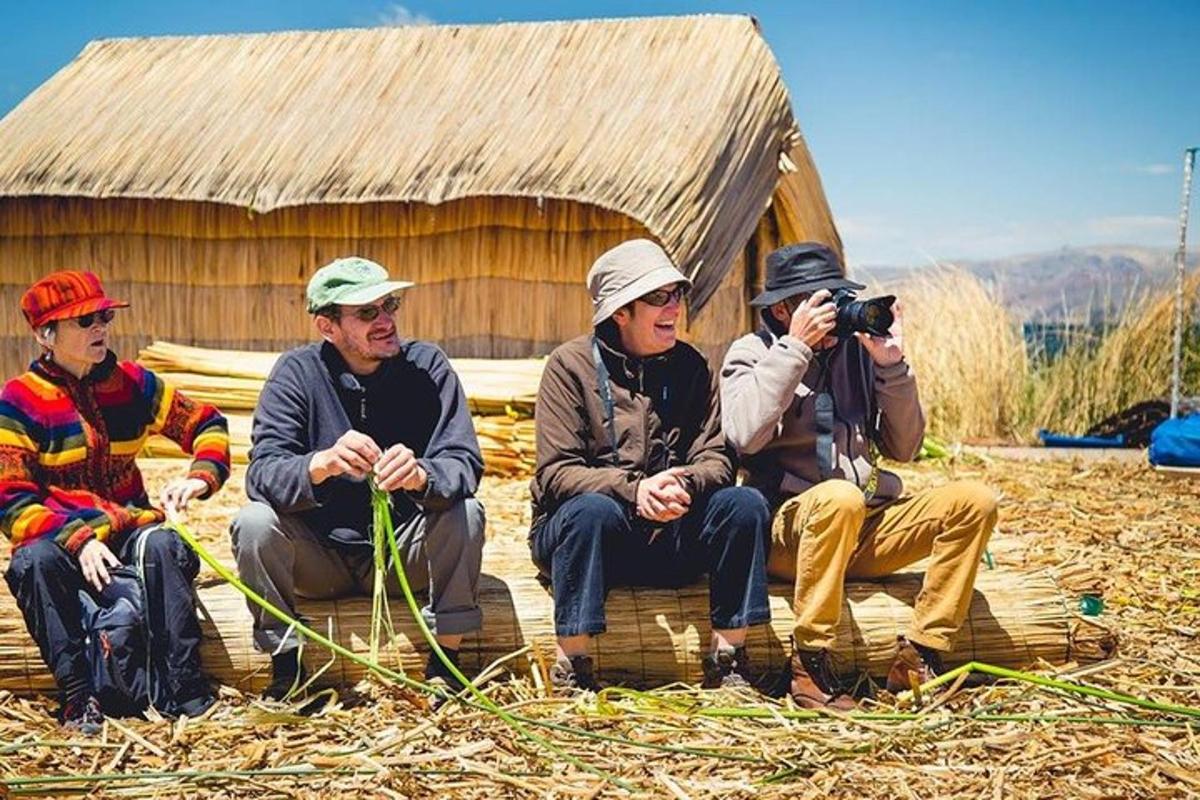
(357, 455)
(662, 497)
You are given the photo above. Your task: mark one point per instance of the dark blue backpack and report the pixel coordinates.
(117, 646)
(1176, 442)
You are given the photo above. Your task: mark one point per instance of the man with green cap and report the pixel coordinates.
(361, 404)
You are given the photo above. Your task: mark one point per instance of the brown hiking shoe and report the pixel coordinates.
(814, 685)
(913, 662)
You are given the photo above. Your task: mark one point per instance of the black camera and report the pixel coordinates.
(873, 316)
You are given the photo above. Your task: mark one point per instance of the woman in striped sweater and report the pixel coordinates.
(72, 501)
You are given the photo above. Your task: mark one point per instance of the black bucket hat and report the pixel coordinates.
(802, 269)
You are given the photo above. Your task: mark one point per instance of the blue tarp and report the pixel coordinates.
(1176, 442)
(1051, 439)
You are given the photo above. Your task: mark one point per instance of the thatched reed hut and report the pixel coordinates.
(206, 177)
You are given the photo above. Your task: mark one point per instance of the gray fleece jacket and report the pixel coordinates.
(768, 413)
(311, 398)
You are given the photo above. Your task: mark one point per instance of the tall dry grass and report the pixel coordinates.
(1129, 364)
(978, 383)
(967, 353)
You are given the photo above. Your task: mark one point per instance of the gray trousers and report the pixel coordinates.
(282, 558)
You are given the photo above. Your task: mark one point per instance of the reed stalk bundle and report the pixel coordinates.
(232, 379)
(501, 394)
(654, 636)
(506, 442)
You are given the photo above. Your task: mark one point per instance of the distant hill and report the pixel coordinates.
(1074, 283)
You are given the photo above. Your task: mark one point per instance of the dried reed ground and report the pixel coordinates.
(1140, 531)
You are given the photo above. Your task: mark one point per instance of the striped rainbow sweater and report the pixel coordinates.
(67, 449)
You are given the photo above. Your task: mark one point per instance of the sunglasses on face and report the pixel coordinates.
(371, 313)
(660, 297)
(88, 320)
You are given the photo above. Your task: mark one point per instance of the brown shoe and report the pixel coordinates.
(913, 662)
(814, 684)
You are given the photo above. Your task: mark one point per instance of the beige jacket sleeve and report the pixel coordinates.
(902, 421)
(758, 385)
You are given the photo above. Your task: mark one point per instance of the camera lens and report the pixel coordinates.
(873, 316)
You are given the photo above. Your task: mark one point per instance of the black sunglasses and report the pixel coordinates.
(87, 320)
(660, 297)
(371, 313)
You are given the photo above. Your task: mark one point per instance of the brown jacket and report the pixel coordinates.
(768, 397)
(666, 413)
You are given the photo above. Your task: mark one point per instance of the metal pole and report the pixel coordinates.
(1189, 159)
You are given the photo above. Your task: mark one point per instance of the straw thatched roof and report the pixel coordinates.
(676, 122)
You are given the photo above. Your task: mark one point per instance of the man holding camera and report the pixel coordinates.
(810, 402)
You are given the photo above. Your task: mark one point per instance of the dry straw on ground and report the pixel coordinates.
(1135, 528)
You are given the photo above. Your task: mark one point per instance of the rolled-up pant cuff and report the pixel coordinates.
(594, 628)
(805, 640)
(932, 641)
(755, 616)
(449, 623)
(270, 640)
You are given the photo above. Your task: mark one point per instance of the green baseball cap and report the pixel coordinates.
(352, 281)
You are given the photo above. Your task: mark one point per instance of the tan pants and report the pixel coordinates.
(827, 534)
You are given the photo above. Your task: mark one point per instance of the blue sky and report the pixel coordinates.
(941, 130)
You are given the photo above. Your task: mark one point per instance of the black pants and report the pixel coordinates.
(589, 545)
(46, 581)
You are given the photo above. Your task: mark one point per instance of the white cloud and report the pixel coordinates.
(1132, 227)
(1155, 169)
(876, 240)
(396, 15)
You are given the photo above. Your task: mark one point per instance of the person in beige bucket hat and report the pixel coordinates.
(633, 483)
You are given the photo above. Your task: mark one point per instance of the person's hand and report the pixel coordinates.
(398, 469)
(178, 492)
(94, 560)
(886, 350)
(814, 319)
(353, 454)
(662, 497)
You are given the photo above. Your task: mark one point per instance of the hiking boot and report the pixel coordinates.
(287, 675)
(726, 668)
(195, 705)
(814, 686)
(82, 715)
(438, 674)
(913, 662)
(190, 699)
(573, 673)
(435, 670)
